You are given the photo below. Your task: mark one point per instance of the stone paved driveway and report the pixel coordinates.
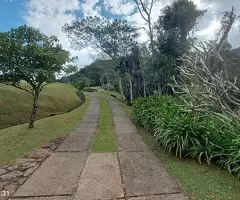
(74, 173)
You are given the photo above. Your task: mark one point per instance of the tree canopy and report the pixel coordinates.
(28, 55)
(111, 37)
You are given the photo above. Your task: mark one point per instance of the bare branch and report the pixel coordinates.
(140, 11)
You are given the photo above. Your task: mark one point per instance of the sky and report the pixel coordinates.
(50, 15)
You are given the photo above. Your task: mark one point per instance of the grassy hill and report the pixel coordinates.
(16, 104)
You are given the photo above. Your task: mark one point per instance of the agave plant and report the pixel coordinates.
(233, 163)
(181, 134)
(205, 151)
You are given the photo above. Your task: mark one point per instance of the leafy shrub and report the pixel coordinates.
(89, 89)
(210, 139)
(78, 84)
(233, 163)
(181, 134)
(81, 96)
(205, 151)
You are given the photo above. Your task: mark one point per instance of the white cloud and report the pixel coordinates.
(209, 32)
(88, 8)
(119, 7)
(49, 17)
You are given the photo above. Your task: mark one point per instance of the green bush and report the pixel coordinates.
(89, 89)
(81, 96)
(78, 84)
(233, 162)
(210, 139)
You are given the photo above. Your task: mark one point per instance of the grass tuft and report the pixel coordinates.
(104, 140)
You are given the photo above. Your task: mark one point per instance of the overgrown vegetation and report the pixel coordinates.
(19, 140)
(104, 140)
(16, 104)
(208, 138)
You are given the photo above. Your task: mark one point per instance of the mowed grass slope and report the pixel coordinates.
(16, 104)
(19, 140)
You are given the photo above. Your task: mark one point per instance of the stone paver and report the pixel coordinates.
(124, 127)
(45, 198)
(76, 142)
(144, 175)
(121, 118)
(91, 118)
(86, 127)
(81, 138)
(162, 197)
(58, 175)
(118, 112)
(100, 178)
(130, 142)
(93, 111)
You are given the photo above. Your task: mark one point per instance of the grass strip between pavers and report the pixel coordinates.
(104, 139)
(19, 140)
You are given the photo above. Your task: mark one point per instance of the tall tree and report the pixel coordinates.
(27, 54)
(175, 24)
(173, 28)
(70, 69)
(130, 68)
(145, 9)
(112, 37)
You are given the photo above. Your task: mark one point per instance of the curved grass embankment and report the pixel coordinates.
(19, 140)
(16, 104)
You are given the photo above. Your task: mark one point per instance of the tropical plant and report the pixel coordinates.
(233, 162)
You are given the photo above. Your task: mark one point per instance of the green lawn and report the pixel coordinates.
(200, 182)
(18, 140)
(104, 140)
(16, 104)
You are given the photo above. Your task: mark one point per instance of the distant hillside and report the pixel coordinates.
(16, 104)
(94, 72)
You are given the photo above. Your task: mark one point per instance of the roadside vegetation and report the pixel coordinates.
(16, 104)
(19, 140)
(104, 139)
(199, 181)
(208, 138)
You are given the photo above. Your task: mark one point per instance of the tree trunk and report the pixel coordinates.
(108, 86)
(159, 89)
(121, 89)
(130, 90)
(151, 37)
(144, 88)
(34, 110)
